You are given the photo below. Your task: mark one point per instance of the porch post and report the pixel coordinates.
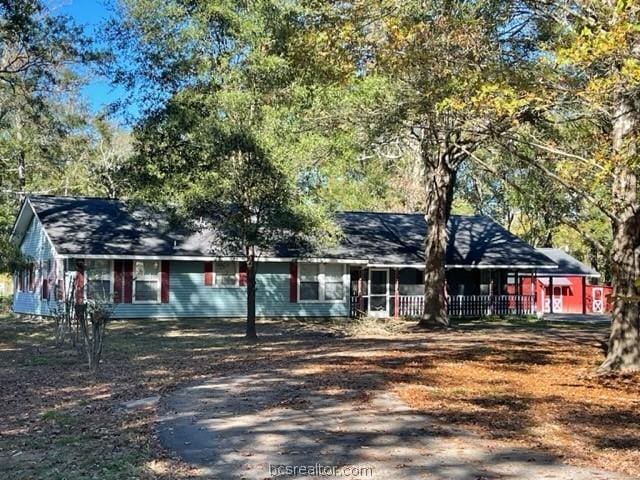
(584, 295)
(518, 289)
(360, 296)
(533, 291)
(396, 294)
(491, 299)
(550, 294)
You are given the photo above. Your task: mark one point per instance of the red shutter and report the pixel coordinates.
(164, 281)
(118, 278)
(79, 282)
(293, 282)
(128, 281)
(208, 273)
(243, 274)
(45, 289)
(61, 290)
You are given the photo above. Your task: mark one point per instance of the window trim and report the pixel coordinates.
(214, 275)
(134, 281)
(321, 281)
(111, 279)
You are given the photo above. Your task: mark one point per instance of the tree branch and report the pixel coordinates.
(572, 188)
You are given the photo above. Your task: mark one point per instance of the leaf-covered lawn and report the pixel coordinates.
(510, 383)
(537, 388)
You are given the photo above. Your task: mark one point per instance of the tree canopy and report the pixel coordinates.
(270, 115)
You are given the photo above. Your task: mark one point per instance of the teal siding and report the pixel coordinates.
(35, 243)
(189, 297)
(272, 297)
(36, 246)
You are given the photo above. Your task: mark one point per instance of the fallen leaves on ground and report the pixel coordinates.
(509, 384)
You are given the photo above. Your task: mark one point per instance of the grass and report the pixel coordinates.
(508, 380)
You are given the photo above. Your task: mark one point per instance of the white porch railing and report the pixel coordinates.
(411, 305)
(481, 305)
(463, 305)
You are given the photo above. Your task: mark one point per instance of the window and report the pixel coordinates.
(98, 274)
(309, 281)
(321, 282)
(27, 278)
(146, 282)
(333, 285)
(225, 274)
(485, 282)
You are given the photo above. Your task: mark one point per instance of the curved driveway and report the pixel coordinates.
(254, 426)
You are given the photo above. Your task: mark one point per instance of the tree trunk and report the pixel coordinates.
(251, 297)
(22, 177)
(624, 342)
(440, 178)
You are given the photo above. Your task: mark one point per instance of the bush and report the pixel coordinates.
(5, 304)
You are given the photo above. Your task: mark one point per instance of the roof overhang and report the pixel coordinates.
(23, 220)
(564, 274)
(199, 258)
(350, 261)
(421, 266)
(557, 281)
(510, 267)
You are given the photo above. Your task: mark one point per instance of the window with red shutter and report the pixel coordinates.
(293, 282)
(208, 273)
(164, 281)
(243, 274)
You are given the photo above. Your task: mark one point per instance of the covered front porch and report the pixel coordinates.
(398, 291)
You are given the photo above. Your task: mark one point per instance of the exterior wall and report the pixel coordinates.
(572, 296)
(36, 246)
(607, 292)
(189, 297)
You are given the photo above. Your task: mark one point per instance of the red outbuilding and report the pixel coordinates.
(572, 288)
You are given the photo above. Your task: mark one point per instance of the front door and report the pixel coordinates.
(379, 292)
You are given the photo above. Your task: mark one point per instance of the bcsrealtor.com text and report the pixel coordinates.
(320, 470)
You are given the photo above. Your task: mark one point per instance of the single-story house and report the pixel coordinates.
(88, 247)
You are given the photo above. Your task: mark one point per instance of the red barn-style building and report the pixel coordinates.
(571, 288)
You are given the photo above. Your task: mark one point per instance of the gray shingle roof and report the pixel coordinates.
(96, 226)
(567, 265)
(398, 238)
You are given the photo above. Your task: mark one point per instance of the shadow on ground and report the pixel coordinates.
(304, 391)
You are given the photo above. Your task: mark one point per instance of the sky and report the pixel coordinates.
(90, 14)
